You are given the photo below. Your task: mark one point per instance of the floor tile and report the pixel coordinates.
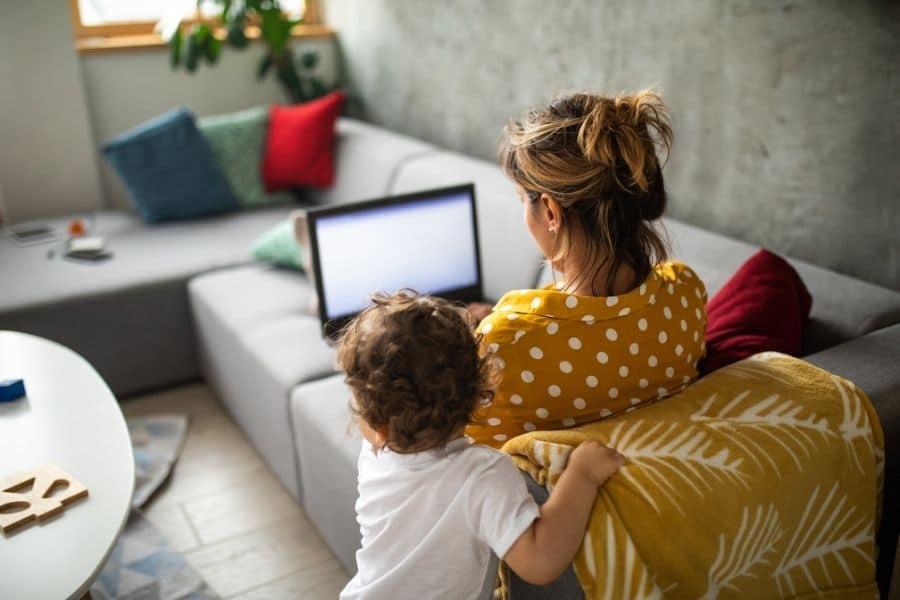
(243, 507)
(227, 512)
(248, 561)
(315, 582)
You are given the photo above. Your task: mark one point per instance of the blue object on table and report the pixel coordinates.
(11, 389)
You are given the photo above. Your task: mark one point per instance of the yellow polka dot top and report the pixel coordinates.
(565, 359)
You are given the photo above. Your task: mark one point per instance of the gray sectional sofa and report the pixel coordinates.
(181, 300)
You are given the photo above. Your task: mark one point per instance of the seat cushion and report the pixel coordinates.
(257, 342)
(366, 161)
(509, 258)
(328, 450)
(129, 315)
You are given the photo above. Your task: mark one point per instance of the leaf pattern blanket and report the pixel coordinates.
(761, 480)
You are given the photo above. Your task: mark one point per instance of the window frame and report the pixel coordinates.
(141, 34)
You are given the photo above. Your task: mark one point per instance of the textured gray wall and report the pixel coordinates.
(785, 113)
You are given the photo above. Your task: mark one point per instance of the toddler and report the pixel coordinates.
(432, 504)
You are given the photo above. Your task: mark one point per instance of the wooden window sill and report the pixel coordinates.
(93, 45)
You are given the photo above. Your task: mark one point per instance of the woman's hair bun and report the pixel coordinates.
(623, 133)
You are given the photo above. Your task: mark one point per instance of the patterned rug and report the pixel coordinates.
(142, 566)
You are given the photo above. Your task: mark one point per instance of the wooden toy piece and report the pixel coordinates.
(36, 495)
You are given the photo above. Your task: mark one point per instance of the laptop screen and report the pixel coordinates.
(425, 241)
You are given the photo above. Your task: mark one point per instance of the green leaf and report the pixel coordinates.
(264, 66)
(175, 49)
(236, 35)
(276, 29)
(309, 60)
(317, 88)
(213, 49)
(226, 9)
(193, 53)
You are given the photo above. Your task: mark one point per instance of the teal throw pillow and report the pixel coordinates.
(238, 141)
(168, 169)
(280, 247)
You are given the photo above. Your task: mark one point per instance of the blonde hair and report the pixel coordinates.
(597, 157)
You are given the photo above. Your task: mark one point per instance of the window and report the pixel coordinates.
(105, 12)
(111, 24)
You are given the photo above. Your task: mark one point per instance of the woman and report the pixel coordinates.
(621, 326)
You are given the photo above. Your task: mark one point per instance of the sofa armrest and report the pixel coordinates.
(872, 362)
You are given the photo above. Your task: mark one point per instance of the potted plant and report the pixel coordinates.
(203, 42)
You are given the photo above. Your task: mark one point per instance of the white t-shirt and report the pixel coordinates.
(430, 520)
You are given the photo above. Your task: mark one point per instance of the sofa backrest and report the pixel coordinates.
(366, 161)
(509, 258)
(843, 308)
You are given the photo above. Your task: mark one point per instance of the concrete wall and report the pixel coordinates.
(785, 113)
(45, 140)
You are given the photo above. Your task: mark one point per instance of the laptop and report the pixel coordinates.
(426, 241)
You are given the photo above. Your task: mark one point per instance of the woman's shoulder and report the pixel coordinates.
(513, 313)
(678, 273)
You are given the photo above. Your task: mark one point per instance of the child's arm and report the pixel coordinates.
(545, 549)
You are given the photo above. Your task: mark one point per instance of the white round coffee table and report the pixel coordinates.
(70, 419)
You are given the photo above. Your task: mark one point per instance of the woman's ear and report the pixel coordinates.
(551, 212)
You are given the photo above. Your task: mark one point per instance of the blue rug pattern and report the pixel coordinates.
(142, 566)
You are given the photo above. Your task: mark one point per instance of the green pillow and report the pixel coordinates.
(238, 141)
(280, 247)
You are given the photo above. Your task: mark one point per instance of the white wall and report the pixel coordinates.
(127, 87)
(58, 107)
(47, 162)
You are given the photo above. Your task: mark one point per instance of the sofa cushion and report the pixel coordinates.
(367, 159)
(509, 257)
(257, 342)
(169, 170)
(763, 307)
(300, 144)
(328, 449)
(279, 246)
(237, 141)
(129, 315)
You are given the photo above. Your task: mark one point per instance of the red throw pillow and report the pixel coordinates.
(300, 144)
(763, 307)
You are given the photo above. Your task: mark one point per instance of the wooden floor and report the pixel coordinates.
(228, 514)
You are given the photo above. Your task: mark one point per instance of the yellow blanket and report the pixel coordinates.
(762, 480)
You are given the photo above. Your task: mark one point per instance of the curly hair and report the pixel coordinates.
(415, 369)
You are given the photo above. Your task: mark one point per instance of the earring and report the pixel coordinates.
(552, 230)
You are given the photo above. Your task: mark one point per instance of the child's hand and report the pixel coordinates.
(595, 462)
